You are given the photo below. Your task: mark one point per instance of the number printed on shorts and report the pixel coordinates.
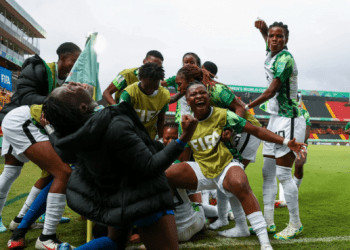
(178, 198)
(281, 133)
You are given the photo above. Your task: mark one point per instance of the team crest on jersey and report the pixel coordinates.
(208, 142)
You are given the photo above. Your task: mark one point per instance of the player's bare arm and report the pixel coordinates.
(268, 93)
(261, 25)
(107, 94)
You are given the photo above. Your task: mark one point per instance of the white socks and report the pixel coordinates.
(31, 197)
(297, 181)
(241, 227)
(284, 175)
(259, 226)
(222, 208)
(54, 211)
(281, 193)
(8, 176)
(269, 189)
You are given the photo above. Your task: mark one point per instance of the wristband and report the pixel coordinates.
(285, 141)
(183, 144)
(49, 129)
(246, 107)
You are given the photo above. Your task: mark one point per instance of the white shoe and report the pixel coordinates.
(13, 225)
(50, 244)
(266, 246)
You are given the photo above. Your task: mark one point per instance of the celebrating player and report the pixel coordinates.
(280, 100)
(149, 99)
(128, 77)
(214, 166)
(221, 96)
(36, 81)
(119, 176)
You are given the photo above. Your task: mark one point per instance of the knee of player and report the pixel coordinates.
(239, 187)
(66, 172)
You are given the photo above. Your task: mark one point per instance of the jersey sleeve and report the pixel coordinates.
(120, 82)
(283, 66)
(171, 82)
(234, 121)
(165, 108)
(347, 126)
(125, 97)
(306, 116)
(222, 96)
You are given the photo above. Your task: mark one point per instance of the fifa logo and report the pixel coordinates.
(5, 79)
(147, 115)
(208, 142)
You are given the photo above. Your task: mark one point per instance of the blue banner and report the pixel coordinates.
(6, 78)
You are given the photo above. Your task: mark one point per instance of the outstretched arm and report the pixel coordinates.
(176, 97)
(261, 25)
(268, 93)
(267, 135)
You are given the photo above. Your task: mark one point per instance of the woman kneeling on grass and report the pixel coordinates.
(119, 177)
(214, 166)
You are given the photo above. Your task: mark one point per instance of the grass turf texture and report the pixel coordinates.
(323, 201)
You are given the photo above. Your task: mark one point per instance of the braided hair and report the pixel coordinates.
(281, 25)
(65, 117)
(198, 60)
(193, 72)
(151, 71)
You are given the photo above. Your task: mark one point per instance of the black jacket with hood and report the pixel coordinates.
(119, 174)
(34, 85)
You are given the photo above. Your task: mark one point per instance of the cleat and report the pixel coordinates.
(280, 204)
(19, 244)
(63, 219)
(288, 233)
(17, 240)
(55, 244)
(270, 230)
(13, 225)
(2, 227)
(266, 246)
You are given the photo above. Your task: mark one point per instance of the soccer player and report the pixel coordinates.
(35, 82)
(149, 99)
(214, 166)
(119, 172)
(299, 163)
(280, 100)
(189, 217)
(244, 150)
(128, 77)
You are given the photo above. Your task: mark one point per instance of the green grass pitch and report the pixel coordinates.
(323, 200)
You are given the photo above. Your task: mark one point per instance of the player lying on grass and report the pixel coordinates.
(299, 163)
(214, 166)
(119, 177)
(149, 99)
(36, 81)
(221, 96)
(280, 100)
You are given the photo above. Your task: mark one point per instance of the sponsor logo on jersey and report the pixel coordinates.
(207, 142)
